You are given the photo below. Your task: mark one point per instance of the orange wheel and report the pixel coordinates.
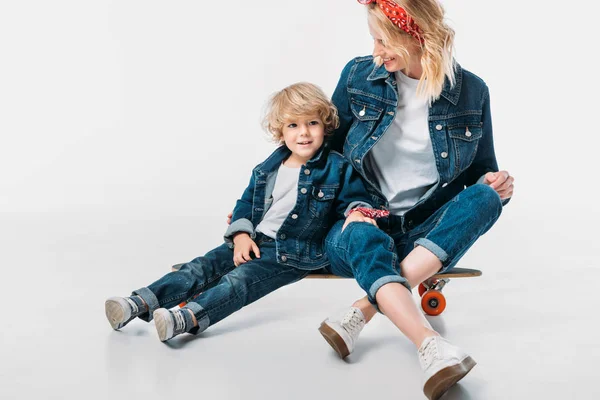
(422, 289)
(433, 302)
(182, 304)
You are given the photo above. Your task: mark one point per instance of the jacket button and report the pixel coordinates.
(321, 194)
(303, 190)
(444, 154)
(444, 184)
(282, 236)
(357, 161)
(294, 216)
(468, 133)
(439, 127)
(306, 172)
(283, 258)
(390, 113)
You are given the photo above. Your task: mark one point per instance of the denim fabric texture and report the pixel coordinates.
(460, 127)
(372, 255)
(328, 186)
(222, 287)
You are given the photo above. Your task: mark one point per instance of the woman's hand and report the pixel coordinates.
(229, 216)
(243, 245)
(356, 216)
(501, 182)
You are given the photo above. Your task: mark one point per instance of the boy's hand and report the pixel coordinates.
(243, 245)
(229, 216)
(501, 182)
(357, 217)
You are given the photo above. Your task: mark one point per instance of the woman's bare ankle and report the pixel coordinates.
(365, 306)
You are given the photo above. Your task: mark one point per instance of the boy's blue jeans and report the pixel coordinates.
(223, 288)
(372, 255)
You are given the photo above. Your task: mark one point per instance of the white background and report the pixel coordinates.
(129, 128)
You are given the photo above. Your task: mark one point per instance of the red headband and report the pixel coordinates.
(398, 16)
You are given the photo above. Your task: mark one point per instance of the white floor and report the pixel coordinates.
(524, 321)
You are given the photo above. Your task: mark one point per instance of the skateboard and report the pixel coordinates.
(433, 301)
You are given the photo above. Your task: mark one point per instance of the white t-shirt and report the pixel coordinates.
(402, 160)
(285, 193)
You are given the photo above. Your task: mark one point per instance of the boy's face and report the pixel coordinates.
(303, 136)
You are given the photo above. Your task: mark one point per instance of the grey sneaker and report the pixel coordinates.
(169, 323)
(121, 310)
(342, 334)
(443, 364)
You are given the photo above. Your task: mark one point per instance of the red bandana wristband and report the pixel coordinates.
(370, 212)
(398, 16)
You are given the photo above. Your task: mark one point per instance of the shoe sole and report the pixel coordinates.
(444, 379)
(115, 313)
(163, 323)
(334, 340)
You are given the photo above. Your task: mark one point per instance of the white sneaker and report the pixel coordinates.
(443, 364)
(343, 334)
(169, 323)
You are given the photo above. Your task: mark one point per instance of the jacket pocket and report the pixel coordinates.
(364, 121)
(320, 200)
(465, 138)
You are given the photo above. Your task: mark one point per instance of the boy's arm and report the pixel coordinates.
(242, 215)
(353, 192)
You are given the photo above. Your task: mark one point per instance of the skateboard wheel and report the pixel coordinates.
(433, 302)
(182, 304)
(422, 289)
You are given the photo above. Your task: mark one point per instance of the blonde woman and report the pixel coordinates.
(418, 128)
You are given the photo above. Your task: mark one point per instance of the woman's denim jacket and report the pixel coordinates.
(460, 127)
(328, 187)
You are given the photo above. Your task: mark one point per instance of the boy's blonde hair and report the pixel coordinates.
(437, 47)
(295, 101)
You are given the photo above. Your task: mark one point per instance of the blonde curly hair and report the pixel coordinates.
(299, 100)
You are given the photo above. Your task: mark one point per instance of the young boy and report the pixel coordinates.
(293, 199)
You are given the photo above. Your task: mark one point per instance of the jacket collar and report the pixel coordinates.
(451, 93)
(273, 162)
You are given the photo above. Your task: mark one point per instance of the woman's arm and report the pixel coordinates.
(341, 101)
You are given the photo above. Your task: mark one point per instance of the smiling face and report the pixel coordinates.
(304, 136)
(391, 60)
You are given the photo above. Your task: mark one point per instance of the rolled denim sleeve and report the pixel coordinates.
(353, 192)
(341, 101)
(485, 159)
(241, 220)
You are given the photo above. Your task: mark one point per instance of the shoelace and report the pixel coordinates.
(179, 321)
(352, 322)
(429, 353)
(134, 307)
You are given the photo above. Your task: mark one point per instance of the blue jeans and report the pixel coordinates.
(223, 288)
(372, 255)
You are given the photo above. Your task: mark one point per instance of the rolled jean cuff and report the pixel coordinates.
(384, 281)
(432, 247)
(201, 317)
(150, 299)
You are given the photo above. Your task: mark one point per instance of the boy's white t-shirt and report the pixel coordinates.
(285, 193)
(402, 160)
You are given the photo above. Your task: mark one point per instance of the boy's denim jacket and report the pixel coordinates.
(328, 188)
(460, 127)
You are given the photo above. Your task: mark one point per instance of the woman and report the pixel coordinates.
(418, 128)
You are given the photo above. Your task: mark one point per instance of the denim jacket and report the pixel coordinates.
(460, 127)
(328, 187)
